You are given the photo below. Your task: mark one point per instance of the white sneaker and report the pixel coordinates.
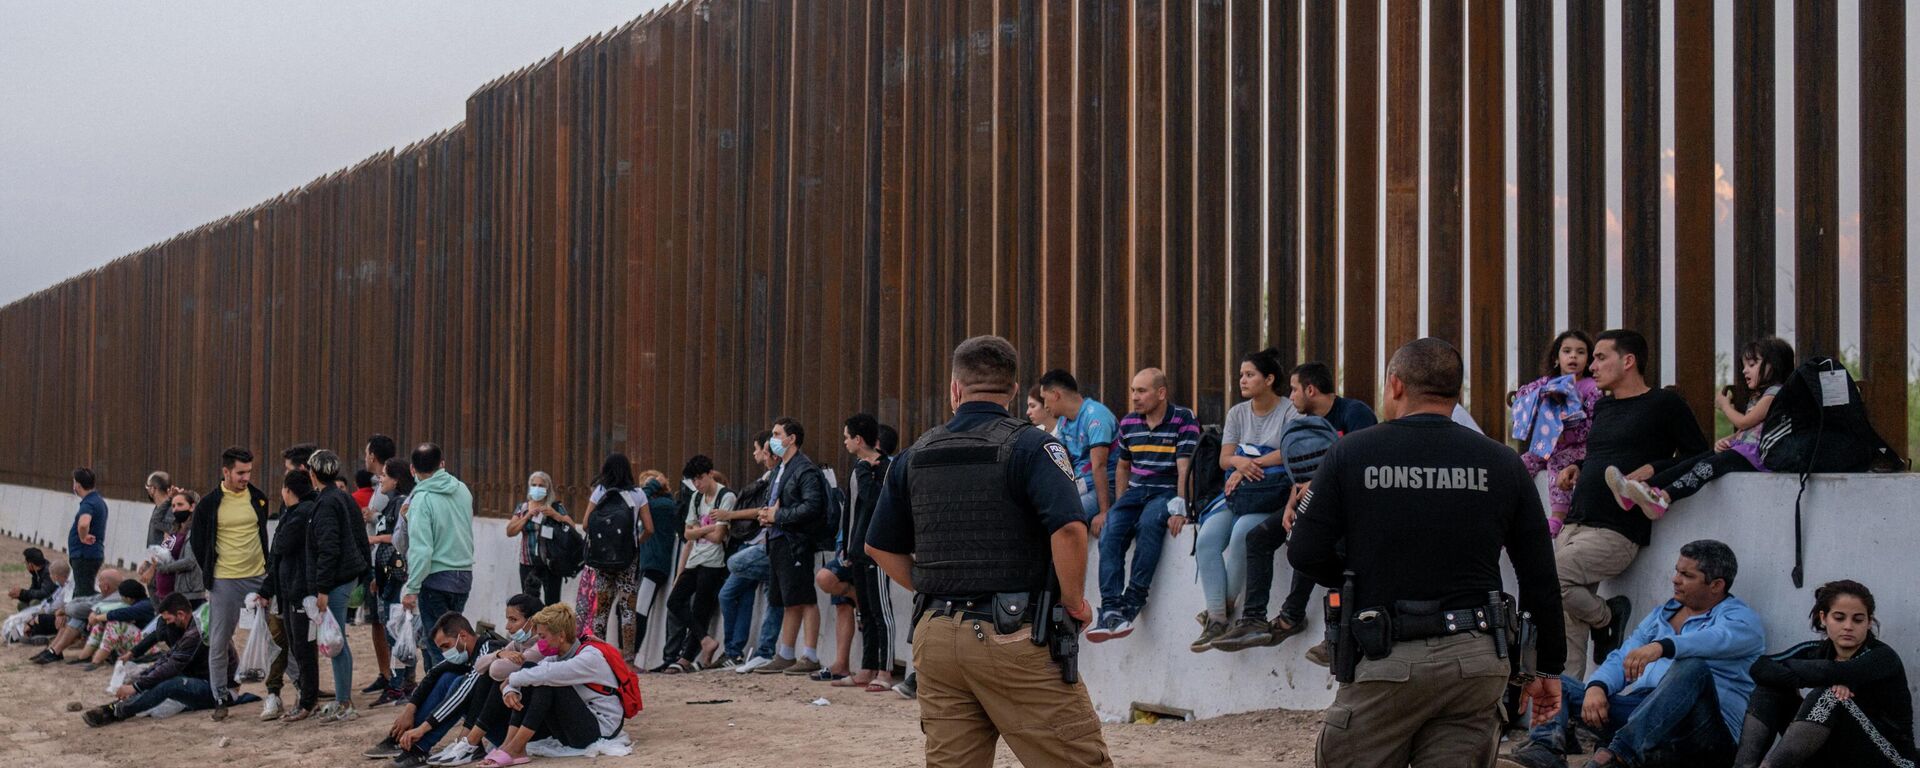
(335, 712)
(272, 710)
(457, 753)
(753, 664)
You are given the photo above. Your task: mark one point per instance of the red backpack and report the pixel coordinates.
(629, 688)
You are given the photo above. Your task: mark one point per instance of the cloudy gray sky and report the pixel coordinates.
(124, 123)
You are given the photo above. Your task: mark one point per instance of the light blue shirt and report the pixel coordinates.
(1092, 426)
(1728, 638)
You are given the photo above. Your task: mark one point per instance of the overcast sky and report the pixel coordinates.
(124, 123)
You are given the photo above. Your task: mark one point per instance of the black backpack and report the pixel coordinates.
(739, 532)
(565, 553)
(1205, 478)
(610, 534)
(1818, 423)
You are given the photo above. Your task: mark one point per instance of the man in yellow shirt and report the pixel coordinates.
(228, 537)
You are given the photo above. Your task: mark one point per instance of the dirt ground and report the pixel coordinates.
(762, 720)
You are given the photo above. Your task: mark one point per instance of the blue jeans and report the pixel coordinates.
(1140, 513)
(1221, 555)
(1677, 718)
(442, 688)
(343, 663)
(747, 571)
(433, 604)
(194, 692)
(388, 597)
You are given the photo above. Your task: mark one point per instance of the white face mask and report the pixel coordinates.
(777, 446)
(537, 492)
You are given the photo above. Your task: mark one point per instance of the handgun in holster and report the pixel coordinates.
(1343, 652)
(1060, 633)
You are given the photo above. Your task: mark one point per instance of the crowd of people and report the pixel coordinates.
(1689, 677)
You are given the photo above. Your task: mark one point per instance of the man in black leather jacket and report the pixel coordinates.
(801, 525)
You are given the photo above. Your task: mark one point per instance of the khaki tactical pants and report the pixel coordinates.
(1433, 702)
(1585, 557)
(977, 686)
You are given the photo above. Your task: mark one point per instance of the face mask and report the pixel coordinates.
(544, 648)
(181, 517)
(536, 493)
(456, 655)
(522, 636)
(777, 446)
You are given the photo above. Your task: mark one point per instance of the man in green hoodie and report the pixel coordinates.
(439, 543)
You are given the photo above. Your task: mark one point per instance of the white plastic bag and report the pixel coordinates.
(120, 671)
(15, 627)
(326, 633)
(404, 627)
(260, 650)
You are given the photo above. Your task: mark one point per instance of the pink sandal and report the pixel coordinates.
(500, 759)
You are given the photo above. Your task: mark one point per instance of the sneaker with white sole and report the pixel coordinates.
(273, 709)
(336, 712)
(1102, 630)
(457, 753)
(1617, 483)
(752, 664)
(1652, 501)
(908, 688)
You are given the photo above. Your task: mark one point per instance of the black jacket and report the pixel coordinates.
(206, 520)
(287, 561)
(803, 503)
(186, 656)
(865, 484)
(337, 550)
(41, 588)
(1875, 673)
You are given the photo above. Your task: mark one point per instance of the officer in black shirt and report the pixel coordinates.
(970, 517)
(1424, 507)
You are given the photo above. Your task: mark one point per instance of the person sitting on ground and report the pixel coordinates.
(571, 696)
(518, 652)
(115, 625)
(72, 617)
(1257, 486)
(1568, 390)
(1678, 689)
(180, 676)
(179, 572)
(41, 622)
(1765, 365)
(39, 585)
(1859, 711)
(443, 695)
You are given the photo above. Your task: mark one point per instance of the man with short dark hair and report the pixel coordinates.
(1087, 429)
(800, 525)
(1677, 689)
(228, 536)
(439, 542)
(87, 538)
(443, 697)
(40, 585)
(872, 598)
(180, 676)
(1155, 445)
(1312, 395)
(1638, 429)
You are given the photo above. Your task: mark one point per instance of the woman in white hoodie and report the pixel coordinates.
(571, 695)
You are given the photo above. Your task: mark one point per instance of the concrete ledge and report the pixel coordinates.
(1863, 527)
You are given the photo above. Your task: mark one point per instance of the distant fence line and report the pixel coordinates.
(730, 210)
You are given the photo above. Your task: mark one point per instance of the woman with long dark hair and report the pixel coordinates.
(1859, 712)
(603, 594)
(1256, 487)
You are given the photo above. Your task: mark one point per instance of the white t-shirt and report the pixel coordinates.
(706, 554)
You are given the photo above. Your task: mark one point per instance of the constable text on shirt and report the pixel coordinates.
(1438, 478)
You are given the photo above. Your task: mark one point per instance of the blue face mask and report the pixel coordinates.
(537, 493)
(777, 446)
(455, 655)
(522, 636)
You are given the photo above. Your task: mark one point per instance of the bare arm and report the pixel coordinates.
(1121, 472)
(1069, 546)
(1753, 417)
(1097, 458)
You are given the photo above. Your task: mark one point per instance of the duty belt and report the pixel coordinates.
(976, 608)
(1412, 626)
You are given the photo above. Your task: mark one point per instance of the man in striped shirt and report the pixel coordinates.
(1155, 446)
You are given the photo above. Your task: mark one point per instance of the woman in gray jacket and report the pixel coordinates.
(181, 574)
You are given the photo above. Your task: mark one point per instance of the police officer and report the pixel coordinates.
(1423, 507)
(970, 517)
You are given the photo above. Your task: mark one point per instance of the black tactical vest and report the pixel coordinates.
(970, 535)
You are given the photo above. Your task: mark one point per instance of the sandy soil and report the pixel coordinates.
(764, 720)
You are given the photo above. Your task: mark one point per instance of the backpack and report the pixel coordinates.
(1818, 423)
(629, 683)
(739, 532)
(566, 551)
(610, 534)
(1205, 478)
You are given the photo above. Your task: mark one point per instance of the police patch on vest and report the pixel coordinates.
(1059, 455)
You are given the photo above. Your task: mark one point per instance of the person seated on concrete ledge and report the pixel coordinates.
(177, 681)
(1676, 691)
(1859, 712)
(72, 617)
